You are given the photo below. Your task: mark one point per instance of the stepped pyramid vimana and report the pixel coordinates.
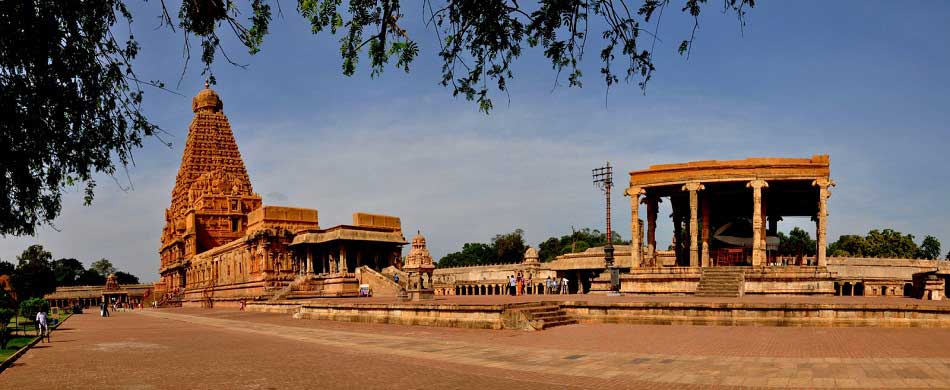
(221, 244)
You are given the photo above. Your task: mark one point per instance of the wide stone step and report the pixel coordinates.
(560, 322)
(721, 283)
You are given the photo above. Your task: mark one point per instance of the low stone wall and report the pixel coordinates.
(456, 316)
(509, 316)
(273, 307)
(661, 281)
(759, 314)
(789, 281)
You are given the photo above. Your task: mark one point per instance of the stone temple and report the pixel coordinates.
(220, 243)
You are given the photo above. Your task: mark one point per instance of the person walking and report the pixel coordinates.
(511, 284)
(520, 283)
(564, 288)
(547, 285)
(42, 325)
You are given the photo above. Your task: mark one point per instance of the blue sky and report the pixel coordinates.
(863, 81)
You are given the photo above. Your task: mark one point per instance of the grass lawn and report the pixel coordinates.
(13, 345)
(22, 335)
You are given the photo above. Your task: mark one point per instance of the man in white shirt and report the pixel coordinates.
(42, 325)
(564, 289)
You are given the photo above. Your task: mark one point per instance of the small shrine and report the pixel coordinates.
(419, 268)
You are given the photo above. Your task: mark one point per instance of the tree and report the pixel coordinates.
(510, 247)
(72, 99)
(7, 311)
(29, 308)
(891, 243)
(929, 248)
(71, 102)
(67, 271)
(884, 243)
(126, 278)
(849, 246)
(577, 241)
(33, 276)
(6, 268)
(473, 253)
(797, 243)
(91, 278)
(103, 267)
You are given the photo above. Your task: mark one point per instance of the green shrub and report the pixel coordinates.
(30, 307)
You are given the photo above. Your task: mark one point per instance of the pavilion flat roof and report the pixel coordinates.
(350, 232)
(762, 168)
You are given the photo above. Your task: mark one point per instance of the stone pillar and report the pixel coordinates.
(824, 185)
(758, 241)
(704, 259)
(343, 268)
(652, 209)
(309, 259)
(636, 246)
(693, 188)
(677, 234)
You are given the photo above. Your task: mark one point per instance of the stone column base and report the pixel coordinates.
(420, 294)
(341, 287)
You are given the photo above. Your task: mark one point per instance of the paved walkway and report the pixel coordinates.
(193, 348)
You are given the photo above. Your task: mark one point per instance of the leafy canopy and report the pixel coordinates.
(577, 241)
(885, 243)
(797, 243)
(71, 101)
(103, 266)
(504, 248)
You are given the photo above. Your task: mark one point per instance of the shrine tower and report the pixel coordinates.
(212, 194)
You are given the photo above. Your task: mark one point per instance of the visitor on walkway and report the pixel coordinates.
(243, 304)
(547, 285)
(42, 326)
(104, 309)
(564, 289)
(511, 285)
(520, 284)
(555, 285)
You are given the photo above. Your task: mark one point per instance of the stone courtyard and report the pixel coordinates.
(226, 348)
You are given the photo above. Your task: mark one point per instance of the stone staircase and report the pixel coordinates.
(721, 282)
(286, 290)
(545, 315)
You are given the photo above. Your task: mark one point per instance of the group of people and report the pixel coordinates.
(556, 285)
(517, 285)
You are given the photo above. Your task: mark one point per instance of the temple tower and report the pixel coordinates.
(212, 194)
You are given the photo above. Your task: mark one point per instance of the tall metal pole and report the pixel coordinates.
(603, 179)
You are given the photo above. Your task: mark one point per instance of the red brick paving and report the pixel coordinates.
(197, 348)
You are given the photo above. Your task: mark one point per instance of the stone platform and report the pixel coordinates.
(506, 312)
